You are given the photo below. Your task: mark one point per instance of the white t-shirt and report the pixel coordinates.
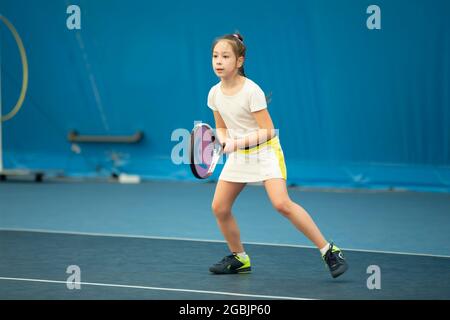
(236, 110)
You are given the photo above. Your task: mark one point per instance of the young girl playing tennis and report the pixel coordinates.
(254, 155)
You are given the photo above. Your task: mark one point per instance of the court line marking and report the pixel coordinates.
(118, 235)
(156, 288)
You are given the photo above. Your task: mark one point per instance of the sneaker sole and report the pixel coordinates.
(339, 271)
(244, 270)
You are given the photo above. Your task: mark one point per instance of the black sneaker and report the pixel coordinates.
(232, 264)
(335, 261)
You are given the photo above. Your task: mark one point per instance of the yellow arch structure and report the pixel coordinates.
(23, 57)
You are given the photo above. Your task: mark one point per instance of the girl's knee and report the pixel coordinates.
(283, 206)
(220, 210)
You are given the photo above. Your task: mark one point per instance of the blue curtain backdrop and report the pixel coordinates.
(355, 107)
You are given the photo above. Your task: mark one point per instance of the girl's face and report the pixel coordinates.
(224, 61)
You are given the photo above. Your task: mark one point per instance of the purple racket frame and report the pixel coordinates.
(200, 157)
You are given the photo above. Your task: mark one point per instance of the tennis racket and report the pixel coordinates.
(205, 151)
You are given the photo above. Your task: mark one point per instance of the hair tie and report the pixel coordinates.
(237, 37)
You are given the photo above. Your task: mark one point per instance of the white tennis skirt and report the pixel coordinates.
(260, 163)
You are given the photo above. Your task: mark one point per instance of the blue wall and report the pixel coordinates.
(355, 107)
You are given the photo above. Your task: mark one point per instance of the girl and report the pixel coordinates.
(254, 154)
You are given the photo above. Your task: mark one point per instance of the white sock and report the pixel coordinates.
(242, 255)
(325, 249)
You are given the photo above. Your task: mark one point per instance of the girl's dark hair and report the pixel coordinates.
(237, 43)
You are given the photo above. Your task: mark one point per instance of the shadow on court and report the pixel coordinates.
(33, 266)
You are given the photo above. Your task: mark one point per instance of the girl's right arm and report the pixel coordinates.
(221, 128)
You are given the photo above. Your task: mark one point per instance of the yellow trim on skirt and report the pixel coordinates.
(274, 144)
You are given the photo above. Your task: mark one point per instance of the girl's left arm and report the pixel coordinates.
(265, 132)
